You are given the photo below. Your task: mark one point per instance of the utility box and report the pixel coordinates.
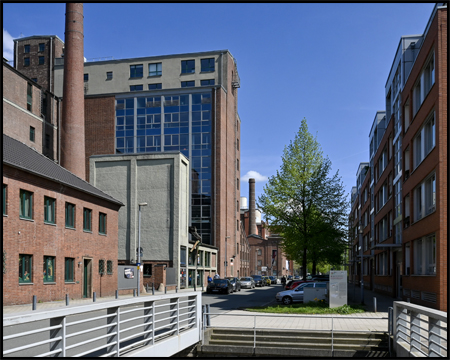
(310, 294)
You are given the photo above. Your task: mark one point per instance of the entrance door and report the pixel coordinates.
(87, 278)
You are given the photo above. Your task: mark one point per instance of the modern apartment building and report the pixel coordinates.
(405, 240)
(186, 103)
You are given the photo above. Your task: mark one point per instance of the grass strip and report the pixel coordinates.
(312, 307)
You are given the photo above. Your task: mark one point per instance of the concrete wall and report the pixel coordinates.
(162, 181)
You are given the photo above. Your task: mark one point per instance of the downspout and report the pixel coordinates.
(215, 159)
(50, 66)
(59, 130)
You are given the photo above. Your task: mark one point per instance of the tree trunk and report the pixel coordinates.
(304, 263)
(314, 268)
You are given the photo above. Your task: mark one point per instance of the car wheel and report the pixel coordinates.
(208, 291)
(239, 289)
(228, 291)
(287, 300)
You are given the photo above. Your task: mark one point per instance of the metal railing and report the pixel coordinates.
(207, 323)
(115, 328)
(419, 331)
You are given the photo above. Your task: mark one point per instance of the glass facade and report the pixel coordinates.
(179, 122)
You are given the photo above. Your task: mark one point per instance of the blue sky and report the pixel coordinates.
(327, 63)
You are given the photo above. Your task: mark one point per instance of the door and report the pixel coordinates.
(87, 278)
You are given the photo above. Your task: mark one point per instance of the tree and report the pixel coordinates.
(306, 205)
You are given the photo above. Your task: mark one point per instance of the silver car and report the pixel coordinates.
(296, 294)
(248, 283)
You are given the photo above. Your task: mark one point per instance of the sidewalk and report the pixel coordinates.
(383, 301)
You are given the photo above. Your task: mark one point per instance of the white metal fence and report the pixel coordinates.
(419, 331)
(140, 326)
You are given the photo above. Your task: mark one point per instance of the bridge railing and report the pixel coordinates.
(419, 331)
(114, 328)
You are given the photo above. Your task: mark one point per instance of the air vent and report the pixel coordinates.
(406, 292)
(428, 296)
(415, 294)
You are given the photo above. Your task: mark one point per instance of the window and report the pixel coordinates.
(4, 199)
(207, 259)
(70, 215)
(425, 198)
(49, 210)
(87, 219)
(29, 97)
(136, 71)
(86, 77)
(237, 164)
(26, 49)
(187, 66)
(26, 61)
(109, 267)
(187, 83)
(259, 262)
(237, 183)
(41, 47)
(428, 75)
(154, 86)
(41, 60)
(425, 255)
(183, 255)
(136, 87)
(259, 252)
(155, 69)
(147, 270)
(101, 266)
(34, 79)
(102, 223)
(237, 144)
(207, 64)
(25, 268)
(109, 75)
(424, 141)
(26, 204)
(49, 269)
(47, 141)
(237, 225)
(206, 82)
(69, 264)
(32, 133)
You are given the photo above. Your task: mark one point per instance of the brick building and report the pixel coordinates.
(59, 232)
(404, 231)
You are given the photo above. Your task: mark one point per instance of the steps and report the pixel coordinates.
(239, 342)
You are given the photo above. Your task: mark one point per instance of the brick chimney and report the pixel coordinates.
(72, 127)
(252, 207)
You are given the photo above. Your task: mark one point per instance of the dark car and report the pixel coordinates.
(258, 280)
(235, 282)
(220, 285)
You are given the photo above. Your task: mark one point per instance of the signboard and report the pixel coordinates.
(338, 288)
(263, 268)
(129, 273)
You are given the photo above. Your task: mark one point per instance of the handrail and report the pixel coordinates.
(102, 331)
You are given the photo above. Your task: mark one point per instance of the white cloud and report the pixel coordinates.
(8, 46)
(254, 175)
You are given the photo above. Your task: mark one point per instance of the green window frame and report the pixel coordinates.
(69, 266)
(109, 267)
(49, 210)
(26, 204)
(102, 223)
(101, 266)
(4, 199)
(207, 259)
(87, 219)
(32, 134)
(25, 268)
(70, 215)
(49, 269)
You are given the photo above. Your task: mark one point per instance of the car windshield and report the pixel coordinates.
(219, 281)
(246, 279)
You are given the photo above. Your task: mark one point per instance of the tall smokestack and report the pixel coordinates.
(72, 127)
(252, 207)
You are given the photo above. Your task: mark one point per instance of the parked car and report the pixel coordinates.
(289, 296)
(235, 282)
(258, 280)
(273, 279)
(295, 283)
(321, 277)
(267, 280)
(248, 282)
(220, 285)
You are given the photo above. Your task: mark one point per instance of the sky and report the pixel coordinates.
(326, 62)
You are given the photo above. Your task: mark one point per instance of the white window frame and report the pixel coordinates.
(425, 255)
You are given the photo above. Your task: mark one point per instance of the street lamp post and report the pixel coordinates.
(139, 251)
(361, 267)
(256, 262)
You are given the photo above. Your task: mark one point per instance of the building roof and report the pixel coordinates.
(37, 37)
(18, 155)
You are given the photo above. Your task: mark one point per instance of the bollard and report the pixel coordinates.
(134, 292)
(176, 288)
(34, 302)
(195, 289)
(375, 304)
(67, 299)
(208, 316)
(94, 298)
(146, 288)
(153, 289)
(117, 294)
(165, 289)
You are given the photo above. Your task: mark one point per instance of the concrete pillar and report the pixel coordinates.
(72, 125)
(252, 207)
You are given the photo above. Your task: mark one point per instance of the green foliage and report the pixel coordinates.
(312, 307)
(305, 205)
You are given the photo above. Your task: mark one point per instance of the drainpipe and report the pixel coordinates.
(50, 67)
(215, 157)
(59, 131)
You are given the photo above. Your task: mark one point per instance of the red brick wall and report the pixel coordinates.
(99, 127)
(39, 239)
